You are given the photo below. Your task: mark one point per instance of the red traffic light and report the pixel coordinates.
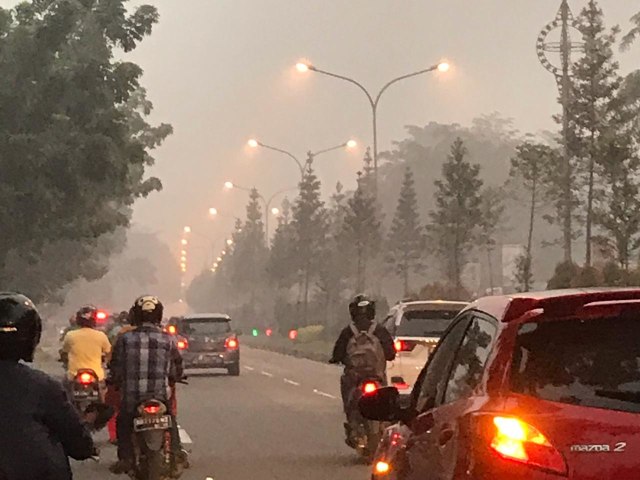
(269, 332)
(293, 334)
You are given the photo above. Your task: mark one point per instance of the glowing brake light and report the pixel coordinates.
(382, 468)
(152, 409)
(172, 330)
(231, 344)
(101, 315)
(369, 387)
(404, 345)
(183, 344)
(85, 378)
(518, 441)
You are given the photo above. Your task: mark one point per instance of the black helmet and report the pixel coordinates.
(86, 316)
(146, 309)
(20, 327)
(362, 308)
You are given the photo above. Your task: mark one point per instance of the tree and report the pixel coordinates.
(527, 166)
(405, 244)
(594, 84)
(634, 33)
(491, 220)
(75, 145)
(310, 231)
(280, 267)
(457, 214)
(361, 233)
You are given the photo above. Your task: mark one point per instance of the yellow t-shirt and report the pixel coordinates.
(85, 348)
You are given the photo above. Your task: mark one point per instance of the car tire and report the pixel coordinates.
(234, 370)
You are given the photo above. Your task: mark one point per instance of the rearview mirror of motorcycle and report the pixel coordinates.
(383, 405)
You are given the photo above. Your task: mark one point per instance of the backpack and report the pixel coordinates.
(365, 355)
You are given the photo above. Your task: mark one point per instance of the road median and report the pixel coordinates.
(318, 350)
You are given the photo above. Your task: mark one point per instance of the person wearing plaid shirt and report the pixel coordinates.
(144, 365)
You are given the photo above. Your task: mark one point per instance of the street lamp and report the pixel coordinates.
(229, 242)
(442, 67)
(213, 211)
(228, 185)
(184, 241)
(275, 211)
(187, 229)
(265, 201)
(253, 143)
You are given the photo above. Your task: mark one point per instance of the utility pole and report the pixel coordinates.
(564, 22)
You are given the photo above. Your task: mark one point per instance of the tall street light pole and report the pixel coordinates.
(253, 143)
(266, 201)
(373, 101)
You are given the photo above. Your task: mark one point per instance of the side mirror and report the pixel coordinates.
(383, 405)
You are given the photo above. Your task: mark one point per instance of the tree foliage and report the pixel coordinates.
(72, 131)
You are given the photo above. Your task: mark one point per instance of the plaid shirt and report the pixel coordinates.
(144, 361)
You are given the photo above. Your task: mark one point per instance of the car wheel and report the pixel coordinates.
(234, 370)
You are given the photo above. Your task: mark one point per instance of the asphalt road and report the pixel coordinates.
(281, 419)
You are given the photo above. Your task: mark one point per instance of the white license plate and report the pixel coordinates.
(152, 423)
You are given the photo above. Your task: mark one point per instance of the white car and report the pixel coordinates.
(416, 328)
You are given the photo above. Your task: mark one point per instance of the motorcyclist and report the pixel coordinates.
(39, 428)
(145, 363)
(363, 311)
(86, 347)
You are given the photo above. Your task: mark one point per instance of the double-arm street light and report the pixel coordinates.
(266, 201)
(303, 67)
(253, 143)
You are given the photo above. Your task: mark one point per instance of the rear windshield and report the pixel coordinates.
(205, 327)
(594, 363)
(425, 323)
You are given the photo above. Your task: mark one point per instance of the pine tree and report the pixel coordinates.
(527, 166)
(281, 269)
(368, 178)
(310, 231)
(594, 84)
(361, 233)
(405, 244)
(456, 218)
(491, 219)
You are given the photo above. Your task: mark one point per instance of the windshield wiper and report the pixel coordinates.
(631, 397)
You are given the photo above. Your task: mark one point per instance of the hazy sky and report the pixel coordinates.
(221, 72)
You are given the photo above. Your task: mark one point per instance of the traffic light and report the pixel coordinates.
(293, 334)
(268, 332)
(255, 332)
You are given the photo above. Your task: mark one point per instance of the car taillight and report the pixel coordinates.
(516, 440)
(369, 387)
(172, 330)
(404, 346)
(183, 344)
(101, 316)
(231, 343)
(85, 378)
(402, 385)
(382, 468)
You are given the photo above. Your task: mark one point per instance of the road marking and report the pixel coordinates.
(291, 382)
(251, 369)
(267, 374)
(184, 436)
(323, 394)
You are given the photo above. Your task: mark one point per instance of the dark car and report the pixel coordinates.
(530, 386)
(210, 341)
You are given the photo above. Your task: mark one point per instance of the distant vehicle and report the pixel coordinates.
(208, 341)
(534, 386)
(416, 328)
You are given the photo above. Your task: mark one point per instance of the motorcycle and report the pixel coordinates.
(85, 390)
(153, 455)
(363, 435)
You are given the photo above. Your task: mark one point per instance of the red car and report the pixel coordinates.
(538, 386)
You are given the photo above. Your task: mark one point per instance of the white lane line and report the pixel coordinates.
(323, 394)
(251, 369)
(291, 382)
(267, 374)
(184, 436)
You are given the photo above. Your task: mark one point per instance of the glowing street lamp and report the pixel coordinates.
(229, 185)
(253, 143)
(183, 258)
(275, 211)
(183, 252)
(213, 211)
(352, 144)
(184, 241)
(219, 259)
(305, 66)
(229, 242)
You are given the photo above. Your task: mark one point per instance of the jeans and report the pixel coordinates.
(124, 429)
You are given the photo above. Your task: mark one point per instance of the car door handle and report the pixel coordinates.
(446, 434)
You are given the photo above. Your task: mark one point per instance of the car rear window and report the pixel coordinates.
(205, 327)
(593, 363)
(425, 323)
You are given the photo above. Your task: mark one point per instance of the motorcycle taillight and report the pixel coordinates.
(86, 378)
(369, 387)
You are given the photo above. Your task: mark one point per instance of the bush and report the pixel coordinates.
(310, 334)
(439, 291)
(564, 274)
(587, 277)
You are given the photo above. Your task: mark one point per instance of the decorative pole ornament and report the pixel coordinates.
(562, 70)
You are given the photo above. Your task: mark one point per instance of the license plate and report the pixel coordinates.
(152, 423)
(210, 358)
(81, 394)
